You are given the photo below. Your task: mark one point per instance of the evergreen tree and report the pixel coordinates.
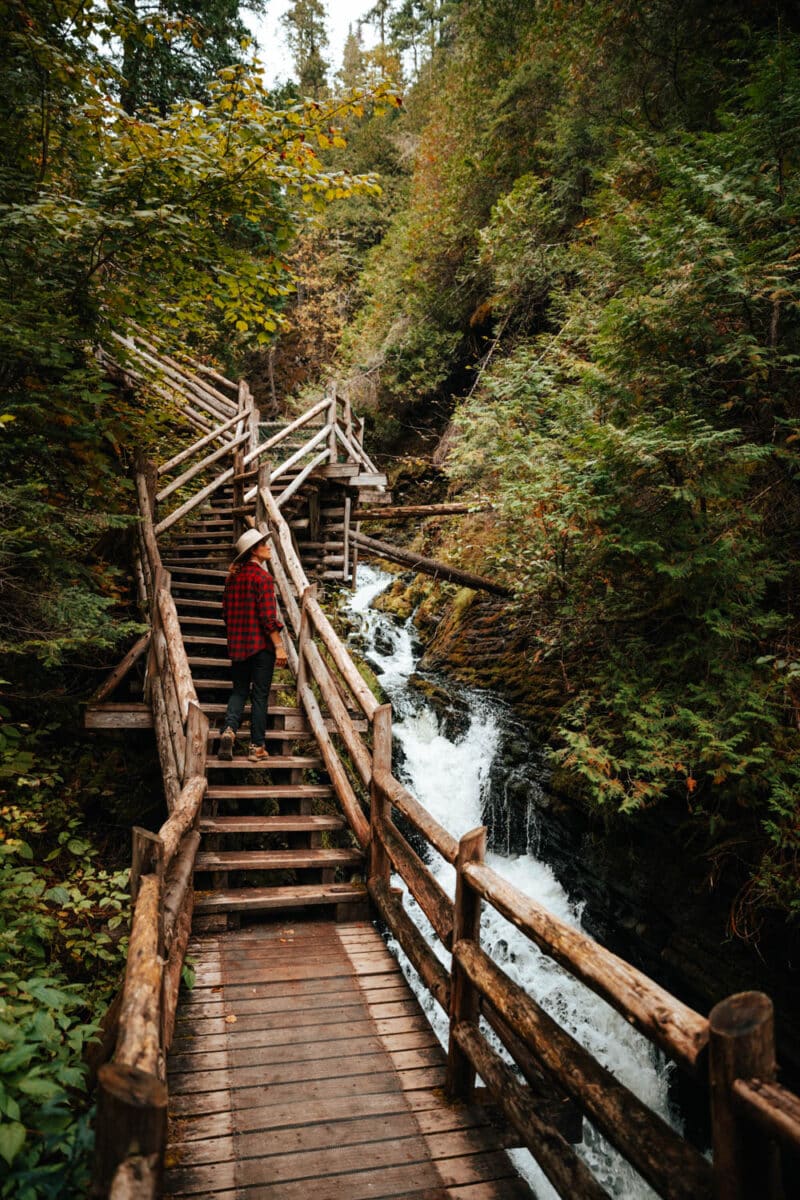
(172, 48)
(351, 72)
(307, 36)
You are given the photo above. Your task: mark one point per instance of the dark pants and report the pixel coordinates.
(254, 672)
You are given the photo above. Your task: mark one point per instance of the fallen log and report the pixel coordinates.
(429, 566)
(404, 512)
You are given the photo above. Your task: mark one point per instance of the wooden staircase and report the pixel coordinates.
(266, 829)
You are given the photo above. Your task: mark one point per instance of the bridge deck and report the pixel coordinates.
(304, 1067)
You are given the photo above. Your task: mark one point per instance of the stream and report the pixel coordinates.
(452, 767)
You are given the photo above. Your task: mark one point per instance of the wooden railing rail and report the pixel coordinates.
(202, 466)
(287, 431)
(214, 401)
(674, 1027)
(131, 1123)
(200, 444)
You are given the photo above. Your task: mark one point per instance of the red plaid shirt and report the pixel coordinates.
(249, 611)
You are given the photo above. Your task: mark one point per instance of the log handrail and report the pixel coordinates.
(201, 466)
(289, 429)
(300, 479)
(200, 444)
(674, 1027)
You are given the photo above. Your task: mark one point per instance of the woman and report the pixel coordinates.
(253, 633)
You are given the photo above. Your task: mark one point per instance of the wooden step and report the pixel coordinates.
(191, 639)
(296, 728)
(298, 731)
(198, 587)
(202, 661)
(180, 570)
(299, 859)
(272, 735)
(282, 824)
(216, 622)
(262, 791)
(190, 602)
(299, 896)
(275, 762)
(218, 532)
(201, 537)
(129, 714)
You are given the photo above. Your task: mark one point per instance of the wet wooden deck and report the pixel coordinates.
(303, 1067)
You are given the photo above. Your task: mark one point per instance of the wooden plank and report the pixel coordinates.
(333, 1067)
(278, 824)
(282, 994)
(342, 1023)
(306, 1091)
(280, 1053)
(205, 1015)
(282, 762)
(258, 899)
(132, 716)
(291, 966)
(268, 791)
(276, 860)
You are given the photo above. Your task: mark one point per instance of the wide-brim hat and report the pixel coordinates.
(248, 541)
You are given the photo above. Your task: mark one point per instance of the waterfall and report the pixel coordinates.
(450, 776)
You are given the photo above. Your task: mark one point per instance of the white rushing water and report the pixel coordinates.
(450, 777)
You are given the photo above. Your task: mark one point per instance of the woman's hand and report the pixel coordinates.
(280, 657)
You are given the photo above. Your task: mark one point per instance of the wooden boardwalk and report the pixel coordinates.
(303, 1067)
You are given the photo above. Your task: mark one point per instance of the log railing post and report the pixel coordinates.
(247, 405)
(348, 413)
(303, 637)
(333, 453)
(380, 809)
(152, 669)
(741, 1046)
(238, 493)
(464, 996)
(264, 472)
(196, 743)
(131, 1119)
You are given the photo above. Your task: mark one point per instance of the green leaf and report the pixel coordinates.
(12, 1139)
(39, 1088)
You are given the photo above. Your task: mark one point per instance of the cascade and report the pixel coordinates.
(449, 774)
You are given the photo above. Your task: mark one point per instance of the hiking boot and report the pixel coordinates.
(258, 754)
(226, 741)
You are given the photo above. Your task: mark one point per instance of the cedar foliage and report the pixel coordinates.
(605, 196)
